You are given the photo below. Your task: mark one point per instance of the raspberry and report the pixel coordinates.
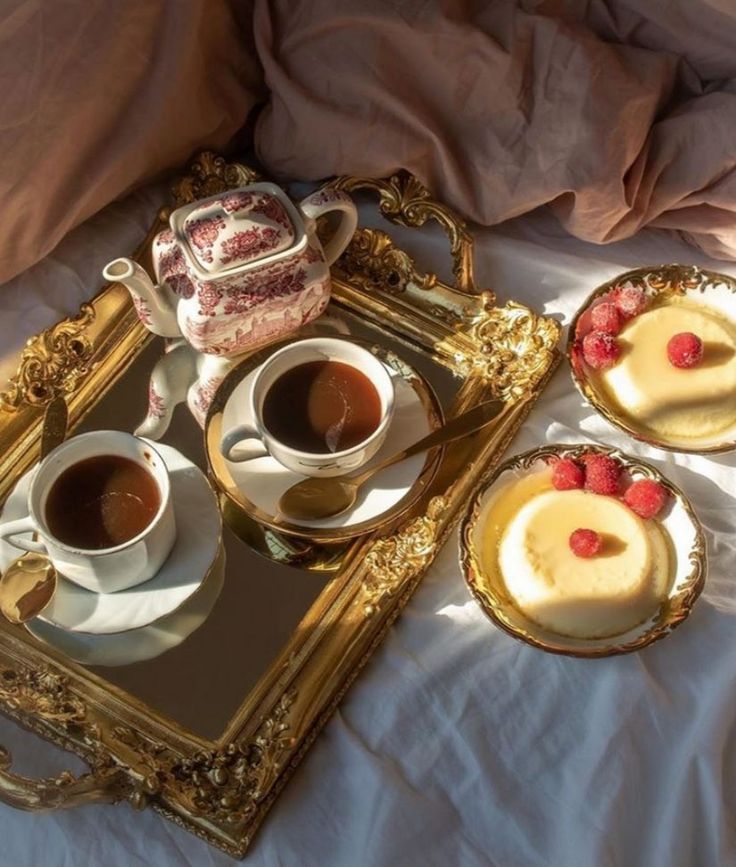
(685, 349)
(600, 350)
(605, 317)
(567, 475)
(585, 543)
(630, 300)
(602, 474)
(645, 497)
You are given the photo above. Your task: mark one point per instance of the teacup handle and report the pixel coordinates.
(235, 436)
(324, 201)
(9, 532)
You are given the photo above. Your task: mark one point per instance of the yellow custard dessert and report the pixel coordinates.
(670, 402)
(526, 536)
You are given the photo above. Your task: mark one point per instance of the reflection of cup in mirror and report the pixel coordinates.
(138, 645)
(283, 549)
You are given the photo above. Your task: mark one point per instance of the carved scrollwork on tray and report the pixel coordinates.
(103, 785)
(372, 253)
(52, 364)
(512, 347)
(208, 174)
(372, 261)
(226, 785)
(42, 692)
(406, 201)
(38, 697)
(391, 562)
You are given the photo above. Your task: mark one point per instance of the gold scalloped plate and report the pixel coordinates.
(708, 288)
(687, 547)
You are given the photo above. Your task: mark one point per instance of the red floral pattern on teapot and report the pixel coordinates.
(239, 269)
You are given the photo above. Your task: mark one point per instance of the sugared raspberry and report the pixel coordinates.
(585, 543)
(685, 349)
(602, 474)
(630, 300)
(567, 475)
(605, 317)
(600, 350)
(645, 497)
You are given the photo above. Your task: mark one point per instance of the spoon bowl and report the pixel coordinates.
(29, 583)
(27, 587)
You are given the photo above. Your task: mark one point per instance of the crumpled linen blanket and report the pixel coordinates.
(616, 113)
(97, 96)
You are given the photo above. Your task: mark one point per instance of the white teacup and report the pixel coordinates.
(310, 463)
(104, 570)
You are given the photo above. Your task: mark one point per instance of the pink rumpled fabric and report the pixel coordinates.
(617, 114)
(97, 96)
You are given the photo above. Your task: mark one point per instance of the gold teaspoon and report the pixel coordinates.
(317, 497)
(29, 582)
(26, 587)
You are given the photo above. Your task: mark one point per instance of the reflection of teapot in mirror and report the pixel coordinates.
(238, 270)
(234, 272)
(183, 374)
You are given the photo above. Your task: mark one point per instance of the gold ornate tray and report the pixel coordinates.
(208, 732)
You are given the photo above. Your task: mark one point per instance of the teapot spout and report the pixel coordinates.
(156, 305)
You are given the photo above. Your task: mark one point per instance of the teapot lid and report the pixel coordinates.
(237, 228)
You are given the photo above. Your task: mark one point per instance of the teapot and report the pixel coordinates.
(239, 269)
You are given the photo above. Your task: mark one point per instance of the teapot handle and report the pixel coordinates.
(324, 201)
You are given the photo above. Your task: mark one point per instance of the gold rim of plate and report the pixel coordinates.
(657, 282)
(220, 473)
(497, 604)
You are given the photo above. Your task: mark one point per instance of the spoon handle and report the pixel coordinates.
(466, 423)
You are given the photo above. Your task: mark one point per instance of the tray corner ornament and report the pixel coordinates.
(51, 364)
(221, 788)
(43, 701)
(513, 347)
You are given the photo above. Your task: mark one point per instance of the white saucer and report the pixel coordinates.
(138, 645)
(257, 484)
(198, 535)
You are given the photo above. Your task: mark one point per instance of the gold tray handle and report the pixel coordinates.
(407, 202)
(104, 785)
(404, 200)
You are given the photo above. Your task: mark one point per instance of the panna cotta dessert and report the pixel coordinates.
(667, 365)
(575, 555)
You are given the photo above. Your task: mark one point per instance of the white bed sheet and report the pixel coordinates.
(459, 745)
